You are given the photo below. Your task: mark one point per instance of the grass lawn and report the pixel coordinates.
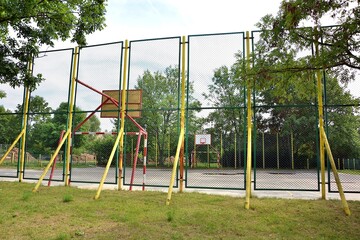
(72, 213)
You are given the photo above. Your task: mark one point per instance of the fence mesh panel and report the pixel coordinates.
(48, 107)
(154, 68)
(344, 146)
(10, 127)
(94, 136)
(216, 101)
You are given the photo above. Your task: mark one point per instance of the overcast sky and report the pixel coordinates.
(147, 19)
(144, 19)
(139, 19)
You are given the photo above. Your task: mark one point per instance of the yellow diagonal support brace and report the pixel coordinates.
(116, 144)
(12, 146)
(68, 132)
(335, 172)
(176, 160)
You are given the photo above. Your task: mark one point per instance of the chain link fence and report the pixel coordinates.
(216, 106)
(285, 134)
(11, 117)
(95, 126)
(48, 114)
(154, 67)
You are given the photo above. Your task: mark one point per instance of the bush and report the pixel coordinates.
(102, 147)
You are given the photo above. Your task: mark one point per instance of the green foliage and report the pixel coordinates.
(286, 104)
(2, 94)
(227, 93)
(43, 137)
(8, 126)
(101, 147)
(287, 34)
(161, 101)
(25, 25)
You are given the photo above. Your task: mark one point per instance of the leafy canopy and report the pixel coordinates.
(25, 25)
(296, 28)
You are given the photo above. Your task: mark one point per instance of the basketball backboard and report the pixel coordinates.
(133, 104)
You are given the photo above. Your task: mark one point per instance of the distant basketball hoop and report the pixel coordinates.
(202, 139)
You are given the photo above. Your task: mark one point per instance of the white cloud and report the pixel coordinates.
(139, 19)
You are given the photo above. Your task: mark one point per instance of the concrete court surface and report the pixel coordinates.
(202, 180)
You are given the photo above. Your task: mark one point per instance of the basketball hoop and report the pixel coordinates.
(202, 139)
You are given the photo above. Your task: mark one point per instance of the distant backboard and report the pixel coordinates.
(202, 139)
(133, 104)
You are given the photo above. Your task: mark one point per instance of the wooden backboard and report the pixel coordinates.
(133, 104)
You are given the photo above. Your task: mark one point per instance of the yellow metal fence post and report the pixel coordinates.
(180, 145)
(321, 125)
(249, 126)
(70, 116)
(26, 108)
(182, 115)
(25, 115)
(122, 127)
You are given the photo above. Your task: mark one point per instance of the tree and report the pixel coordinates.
(2, 94)
(101, 146)
(284, 104)
(342, 121)
(7, 130)
(25, 25)
(38, 108)
(227, 94)
(44, 130)
(287, 33)
(160, 106)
